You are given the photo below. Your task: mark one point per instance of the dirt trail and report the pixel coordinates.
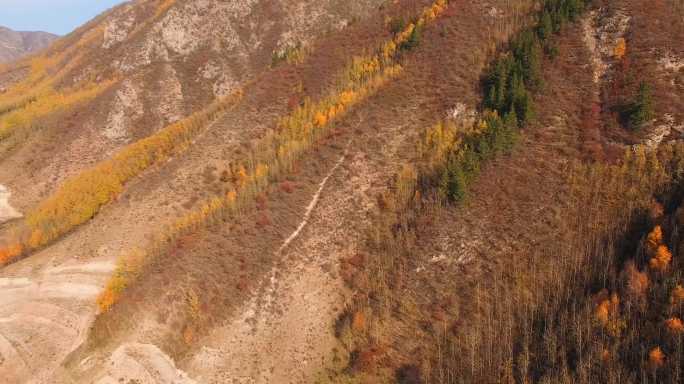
(288, 322)
(312, 205)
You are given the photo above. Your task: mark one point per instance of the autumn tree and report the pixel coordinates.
(656, 358)
(661, 260)
(620, 48)
(654, 239)
(674, 325)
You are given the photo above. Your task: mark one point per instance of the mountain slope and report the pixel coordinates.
(148, 64)
(253, 191)
(14, 45)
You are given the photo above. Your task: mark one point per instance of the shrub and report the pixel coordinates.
(641, 110)
(287, 186)
(545, 27)
(291, 54)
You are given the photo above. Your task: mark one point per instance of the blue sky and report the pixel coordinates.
(56, 16)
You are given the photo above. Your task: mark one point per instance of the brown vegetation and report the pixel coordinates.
(508, 329)
(278, 152)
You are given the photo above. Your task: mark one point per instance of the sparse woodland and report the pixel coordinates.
(580, 283)
(610, 308)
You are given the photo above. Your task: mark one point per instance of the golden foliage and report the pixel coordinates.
(661, 260)
(111, 293)
(47, 104)
(405, 34)
(607, 309)
(654, 239)
(162, 7)
(242, 177)
(608, 315)
(321, 119)
(127, 267)
(620, 48)
(437, 142)
(656, 358)
(434, 11)
(300, 129)
(81, 197)
(44, 73)
(10, 253)
(389, 49)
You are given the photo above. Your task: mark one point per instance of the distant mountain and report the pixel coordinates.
(14, 45)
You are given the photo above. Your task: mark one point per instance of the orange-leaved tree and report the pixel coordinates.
(656, 358)
(661, 260)
(674, 325)
(620, 48)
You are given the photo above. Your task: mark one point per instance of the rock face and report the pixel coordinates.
(172, 57)
(14, 45)
(208, 42)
